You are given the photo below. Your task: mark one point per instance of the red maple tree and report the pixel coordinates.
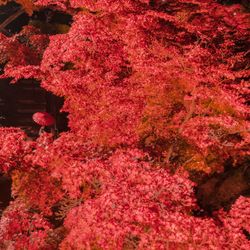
(155, 91)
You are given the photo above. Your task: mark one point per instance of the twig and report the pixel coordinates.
(11, 19)
(188, 116)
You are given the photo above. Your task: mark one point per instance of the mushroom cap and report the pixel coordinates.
(43, 119)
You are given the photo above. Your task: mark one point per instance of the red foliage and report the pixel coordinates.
(149, 89)
(14, 147)
(23, 229)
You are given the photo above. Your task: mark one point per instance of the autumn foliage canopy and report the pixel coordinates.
(157, 97)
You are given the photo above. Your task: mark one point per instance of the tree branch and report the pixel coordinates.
(10, 20)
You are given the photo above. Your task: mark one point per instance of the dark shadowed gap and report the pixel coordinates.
(18, 102)
(49, 21)
(218, 191)
(245, 3)
(5, 192)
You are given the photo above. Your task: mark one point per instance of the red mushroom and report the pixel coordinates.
(43, 119)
